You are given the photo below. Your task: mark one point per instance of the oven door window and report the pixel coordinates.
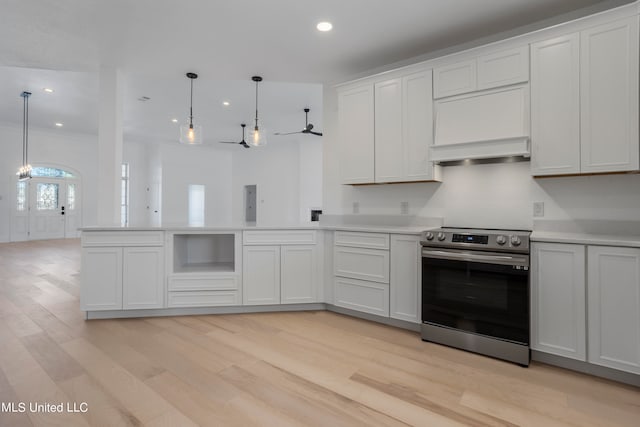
(486, 299)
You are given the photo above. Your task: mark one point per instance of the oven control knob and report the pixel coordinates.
(428, 235)
(501, 240)
(515, 241)
(441, 236)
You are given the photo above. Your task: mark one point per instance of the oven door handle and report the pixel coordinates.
(476, 257)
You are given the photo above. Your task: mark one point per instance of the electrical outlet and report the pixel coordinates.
(404, 208)
(356, 207)
(538, 209)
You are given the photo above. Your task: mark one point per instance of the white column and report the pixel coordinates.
(110, 146)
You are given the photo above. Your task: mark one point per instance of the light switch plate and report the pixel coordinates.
(538, 209)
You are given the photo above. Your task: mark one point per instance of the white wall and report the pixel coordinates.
(183, 165)
(489, 195)
(275, 169)
(47, 148)
(310, 176)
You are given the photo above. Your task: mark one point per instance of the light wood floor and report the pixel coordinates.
(277, 369)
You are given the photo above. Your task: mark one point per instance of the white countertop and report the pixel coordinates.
(586, 238)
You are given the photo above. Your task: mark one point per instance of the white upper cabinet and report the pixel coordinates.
(496, 69)
(555, 106)
(609, 90)
(454, 79)
(558, 292)
(356, 127)
(614, 307)
(404, 129)
(584, 101)
(386, 129)
(503, 68)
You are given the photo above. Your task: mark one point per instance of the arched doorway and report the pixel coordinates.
(48, 205)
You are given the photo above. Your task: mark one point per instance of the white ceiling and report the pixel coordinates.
(62, 43)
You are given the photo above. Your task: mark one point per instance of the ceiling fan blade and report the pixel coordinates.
(315, 133)
(245, 145)
(287, 133)
(229, 142)
(309, 127)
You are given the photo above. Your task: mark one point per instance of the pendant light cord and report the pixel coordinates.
(191, 107)
(256, 128)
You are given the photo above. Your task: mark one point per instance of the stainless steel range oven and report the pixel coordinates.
(475, 291)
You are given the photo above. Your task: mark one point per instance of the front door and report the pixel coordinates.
(47, 207)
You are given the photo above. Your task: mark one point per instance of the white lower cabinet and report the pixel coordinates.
(299, 274)
(614, 307)
(142, 278)
(384, 281)
(101, 279)
(405, 278)
(117, 278)
(558, 322)
(284, 273)
(602, 309)
(261, 275)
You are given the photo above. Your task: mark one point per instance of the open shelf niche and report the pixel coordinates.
(203, 253)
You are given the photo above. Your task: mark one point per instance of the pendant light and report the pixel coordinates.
(189, 133)
(24, 173)
(258, 137)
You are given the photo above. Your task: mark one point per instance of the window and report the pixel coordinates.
(47, 196)
(21, 196)
(196, 205)
(124, 196)
(50, 173)
(71, 197)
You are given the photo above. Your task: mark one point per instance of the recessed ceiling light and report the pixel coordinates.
(174, 120)
(324, 26)
(48, 90)
(226, 103)
(59, 125)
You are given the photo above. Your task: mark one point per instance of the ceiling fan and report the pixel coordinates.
(243, 142)
(307, 129)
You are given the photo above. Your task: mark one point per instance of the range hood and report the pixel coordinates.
(484, 125)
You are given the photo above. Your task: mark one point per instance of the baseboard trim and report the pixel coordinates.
(586, 368)
(193, 311)
(403, 324)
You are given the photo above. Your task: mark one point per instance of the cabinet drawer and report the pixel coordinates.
(122, 238)
(362, 240)
(360, 295)
(203, 283)
(279, 237)
(203, 298)
(359, 263)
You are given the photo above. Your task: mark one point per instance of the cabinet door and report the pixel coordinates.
(355, 122)
(503, 68)
(454, 79)
(405, 277)
(298, 274)
(417, 113)
(261, 275)
(143, 278)
(614, 307)
(389, 147)
(555, 106)
(558, 324)
(609, 91)
(101, 279)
